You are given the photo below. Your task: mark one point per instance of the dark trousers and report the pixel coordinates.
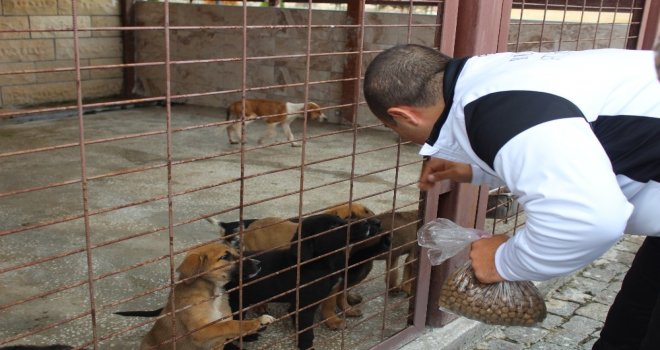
(633, 321)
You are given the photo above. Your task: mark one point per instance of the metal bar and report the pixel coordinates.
(128, 42)
(170, 191)
(83, 176)
(351, 87)
(651, 24)
(478, 27)
(505, 25)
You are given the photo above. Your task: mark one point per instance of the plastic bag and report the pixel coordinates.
(505, 303)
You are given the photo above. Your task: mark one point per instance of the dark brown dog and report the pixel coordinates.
(321, 253)
(404, 243)
(274, 232)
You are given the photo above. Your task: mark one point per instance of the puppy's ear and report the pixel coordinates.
(192, 265)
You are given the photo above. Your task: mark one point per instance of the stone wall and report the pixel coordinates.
(276, 66)
(39, 45)
(556, 36)
(276, 54)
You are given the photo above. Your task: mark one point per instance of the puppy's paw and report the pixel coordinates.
(353, 298)
(353, 312)
(296, 144)
(407, 288)
(335, 323)
(266, 319)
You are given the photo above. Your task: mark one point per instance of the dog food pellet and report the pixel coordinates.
(504, 303)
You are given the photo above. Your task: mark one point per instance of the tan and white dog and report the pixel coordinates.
(274, 113)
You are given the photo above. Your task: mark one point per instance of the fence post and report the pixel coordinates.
(128, 42)
(482, 27)
(650, 28)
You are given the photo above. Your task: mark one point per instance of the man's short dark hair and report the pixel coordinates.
(404, 75)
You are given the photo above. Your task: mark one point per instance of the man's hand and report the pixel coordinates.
(482, 254)
(437, 169)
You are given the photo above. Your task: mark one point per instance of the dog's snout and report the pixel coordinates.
(256, 263)
(361, 230)
(375, 224)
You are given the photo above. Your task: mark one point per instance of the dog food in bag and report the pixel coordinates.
(505, 303)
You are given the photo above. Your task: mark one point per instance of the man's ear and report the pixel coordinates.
(404, 114)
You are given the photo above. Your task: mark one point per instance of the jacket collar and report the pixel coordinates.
(452, 71)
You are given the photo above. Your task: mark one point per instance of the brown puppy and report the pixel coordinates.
(403, 226)
(404, 242)
(204, 319)
(275, 112)
(276, 232)
(269, 233)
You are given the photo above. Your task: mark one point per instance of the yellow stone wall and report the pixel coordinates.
(45, 42)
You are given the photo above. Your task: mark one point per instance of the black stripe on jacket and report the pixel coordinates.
(494, 119)
(633, 145)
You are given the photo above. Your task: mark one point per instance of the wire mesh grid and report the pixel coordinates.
(547, 26)
(104, 191)
(112, 163)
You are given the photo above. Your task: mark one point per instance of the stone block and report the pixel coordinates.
(14, 23)
(16, 78)
(59, 76)
(525, 335)
(594, 311)
(22, 95)
(582, 325)
(561, 307)
(26, 50)
(90, 7)
(104, 73)
(106, 21)
(29, 7)
(93, 89)
(89, 48)
(55, 24)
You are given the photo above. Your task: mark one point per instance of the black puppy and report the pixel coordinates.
(322, 258)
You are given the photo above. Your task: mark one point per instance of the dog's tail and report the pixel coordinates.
(214, 221)
(150, 313)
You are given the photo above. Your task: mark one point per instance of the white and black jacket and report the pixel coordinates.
(575, 135)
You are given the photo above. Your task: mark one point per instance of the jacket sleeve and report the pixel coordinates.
(575, 209)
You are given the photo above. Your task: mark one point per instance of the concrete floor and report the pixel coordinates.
(204, 182)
